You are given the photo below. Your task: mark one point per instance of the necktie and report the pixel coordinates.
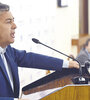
(8, 70)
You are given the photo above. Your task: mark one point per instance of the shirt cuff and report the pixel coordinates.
(65, 64)
(15, 98)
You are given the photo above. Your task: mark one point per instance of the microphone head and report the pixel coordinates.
(87, 64)
(35, 40)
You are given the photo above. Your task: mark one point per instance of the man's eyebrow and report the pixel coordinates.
(10, 19)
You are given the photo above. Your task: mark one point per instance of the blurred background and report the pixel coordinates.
(61, 24)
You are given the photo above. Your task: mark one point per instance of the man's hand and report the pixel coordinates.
(73, 64)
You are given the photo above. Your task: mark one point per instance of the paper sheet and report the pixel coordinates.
(39, 95)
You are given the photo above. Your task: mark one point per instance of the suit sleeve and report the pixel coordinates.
(6, 98)
(39, 61)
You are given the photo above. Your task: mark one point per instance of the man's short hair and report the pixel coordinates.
(4, 7)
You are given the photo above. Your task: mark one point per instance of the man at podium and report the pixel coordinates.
(11, 58)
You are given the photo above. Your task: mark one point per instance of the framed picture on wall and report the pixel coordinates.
(62, 3)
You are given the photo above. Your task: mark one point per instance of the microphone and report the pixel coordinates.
(87, 66)
(76, 80)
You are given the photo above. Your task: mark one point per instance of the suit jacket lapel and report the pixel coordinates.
(14, 70)
(2, 66)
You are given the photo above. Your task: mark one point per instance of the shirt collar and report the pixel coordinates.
(2, 50)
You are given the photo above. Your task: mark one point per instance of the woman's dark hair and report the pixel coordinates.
(86, 43)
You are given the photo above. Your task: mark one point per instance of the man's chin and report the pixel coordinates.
(11, 42)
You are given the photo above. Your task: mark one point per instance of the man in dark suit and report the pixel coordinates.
(84, 54)
(11, 58)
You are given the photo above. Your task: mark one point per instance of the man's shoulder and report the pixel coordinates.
(14, 51)
(9, 48)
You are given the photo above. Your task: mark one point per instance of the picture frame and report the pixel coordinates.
(62, 3)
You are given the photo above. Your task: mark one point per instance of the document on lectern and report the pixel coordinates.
(41, 94)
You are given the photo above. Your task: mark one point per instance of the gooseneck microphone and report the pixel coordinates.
(38, 42)
(76, 80)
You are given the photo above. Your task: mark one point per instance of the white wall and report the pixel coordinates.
(67, 26)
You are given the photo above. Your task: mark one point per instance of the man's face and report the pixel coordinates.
(88, 47)
(7, 29)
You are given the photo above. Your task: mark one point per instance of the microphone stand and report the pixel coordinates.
(76, 80)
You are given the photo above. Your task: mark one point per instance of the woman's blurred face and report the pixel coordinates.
(7, 28)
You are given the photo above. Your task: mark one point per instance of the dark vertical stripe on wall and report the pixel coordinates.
(83, 16)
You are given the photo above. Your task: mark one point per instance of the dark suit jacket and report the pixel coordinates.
(20, 58)
(82, 56)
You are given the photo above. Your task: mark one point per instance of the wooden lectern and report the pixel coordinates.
(62, 79)
(80, 92)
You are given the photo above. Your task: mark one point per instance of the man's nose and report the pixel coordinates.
(14, 26)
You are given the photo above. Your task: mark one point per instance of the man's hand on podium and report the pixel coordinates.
(73, 64)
